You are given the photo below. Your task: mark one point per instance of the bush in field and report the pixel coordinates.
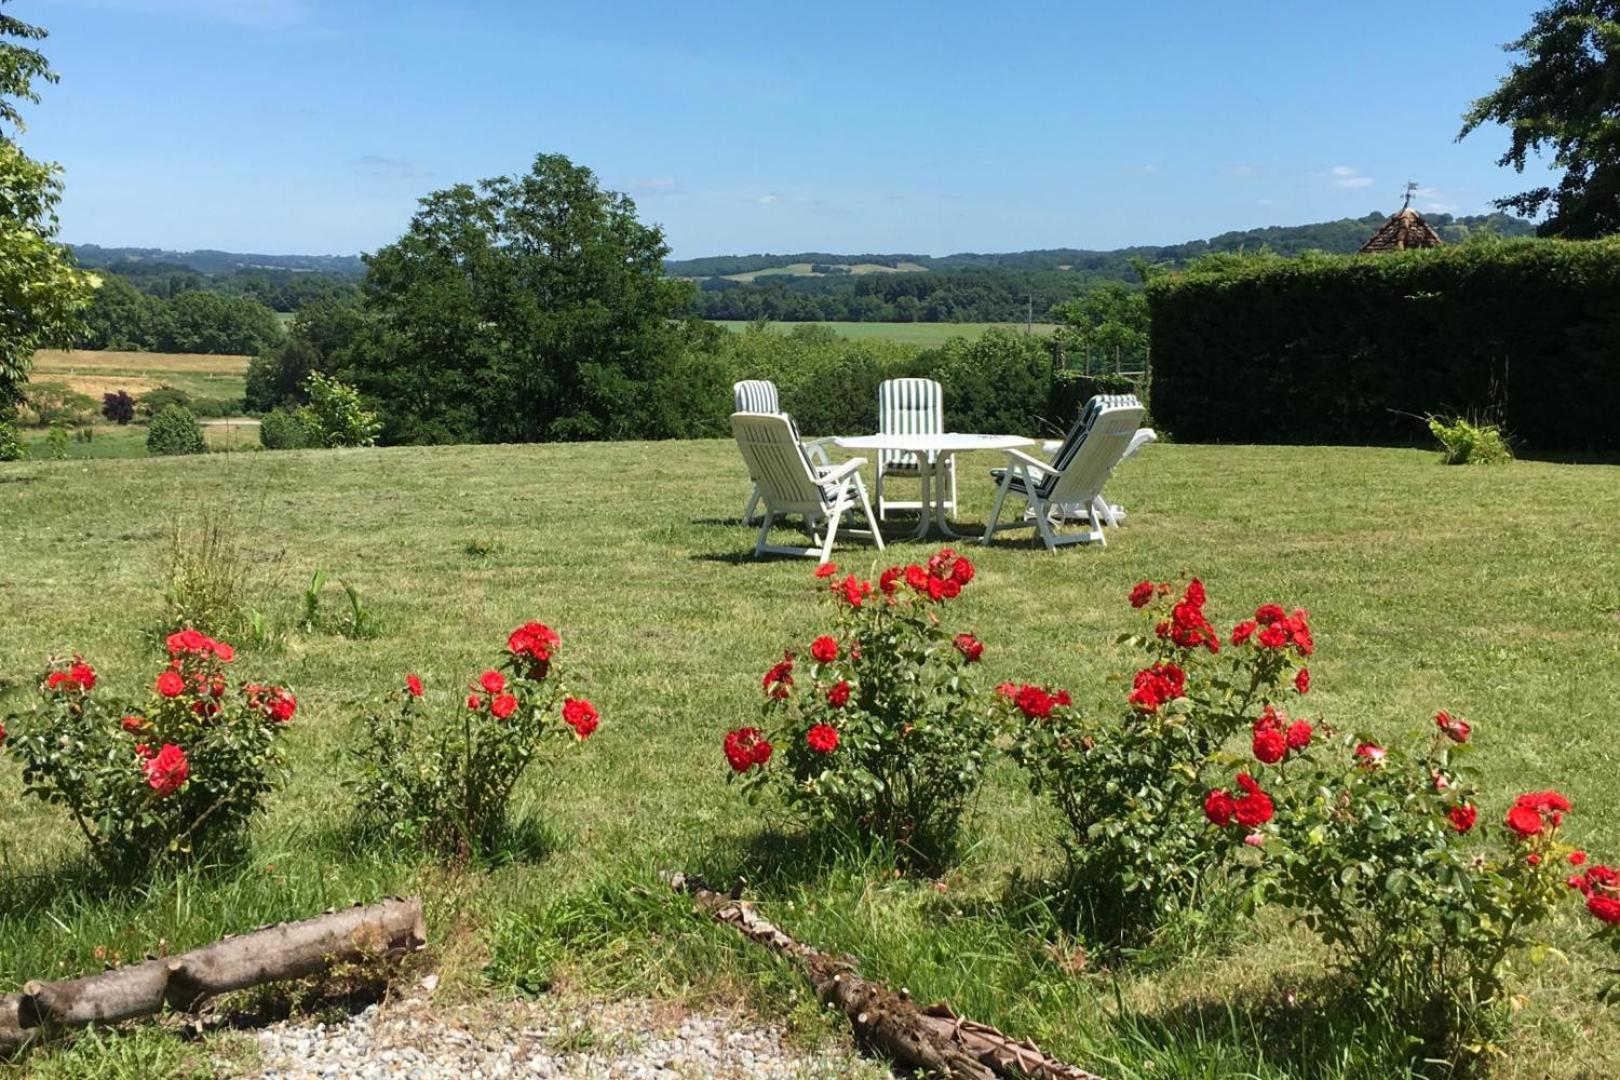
(335, 416)
(55, 403)
(155, 401)
(287, 429)
(11, 447)
(1469, 442)
(179, 774)
(444, 778)
(118, 407)
(881, 732)
(175, 431)
(1000, 382)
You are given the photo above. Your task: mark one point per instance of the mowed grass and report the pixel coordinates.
(93, 372)
(914, 333)
(129, 440)
(1492, 592)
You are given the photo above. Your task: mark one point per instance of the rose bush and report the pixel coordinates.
(179, 773)
(876, 728)
(445, 778)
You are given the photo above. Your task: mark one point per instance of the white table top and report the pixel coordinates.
(949, 442)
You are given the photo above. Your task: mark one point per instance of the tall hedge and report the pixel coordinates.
(1353, 349)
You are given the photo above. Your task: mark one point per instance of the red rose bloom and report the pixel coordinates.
(1219, 808)
(1604, 908)
(1456, 728)
(1302, 680)
(853, 590)
(170, 684)
(132, 724)
(1463, 817)
(1195, 593)
(1273, 637)
(779, 679)
(1299, 734)
(167, 771)
(1243, 631)
(826, 570)
(474, 702)
(83, 674)
(1254, 807)
(1157, 685)
(580, 715)
(1036, 703)
(824, 649)
(745, 748)
(1142, 594)
(1269, 613)
(1577, 858)
(838, 694)
(887, 581)
(1369, 755)
(413, 685)
(970, 647)
(962, 572)
(917, 578)
(533, 640)
(1269, 745)
(493, 682)
(502, 705)
(823, 738)
(1524, 820)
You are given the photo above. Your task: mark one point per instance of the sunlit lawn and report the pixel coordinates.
(1493, 592)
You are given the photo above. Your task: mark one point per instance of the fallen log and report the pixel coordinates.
(931, 1038)
(271, 954)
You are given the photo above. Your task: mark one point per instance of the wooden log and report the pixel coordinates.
(272, 954)
(931, 1038)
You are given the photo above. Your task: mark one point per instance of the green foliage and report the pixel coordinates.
(523, 308)
(1470, 442)
(207, 575)
(11, 447)
(175, 431)
(998, 382)
(828, 383)
(155, 401)
(312, 599)
(1563, 97)
(52, 403)
(1072, 389)
(178, 774)
(210, 322)
(57, 442)
(1359, 349)
(315, 342)
(1104, 330)
(287, 429)
(122, 317)
(334, 415)
(884, 735)
(446, 782)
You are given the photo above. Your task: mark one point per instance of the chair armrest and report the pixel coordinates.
(842, 471)
(816, 450)
(1032, 462)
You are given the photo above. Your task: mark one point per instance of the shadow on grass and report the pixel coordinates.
(80, 880)
(527, 839)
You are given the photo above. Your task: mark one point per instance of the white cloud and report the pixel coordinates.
(1150, 168)
(655, 185)
(770, 198)
(1241, 170)
(1345, 176)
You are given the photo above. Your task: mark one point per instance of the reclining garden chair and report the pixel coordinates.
(909, 407)
(1111, 513)
(788, 483)
(1075, 475)
(760, 396)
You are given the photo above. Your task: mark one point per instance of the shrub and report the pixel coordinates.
(175, 431)
(11, 447)
(179, 774)
(207, 574)
(56, 442)
(1331, 349)
(55, 403)
(882, 733)
(1072, 389)
(999, 382)
(1469, 442)
(446, 782)
(335, 416)
(287, 429)
(155, 401)
(118, 407)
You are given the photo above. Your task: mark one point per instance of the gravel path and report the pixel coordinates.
(416, 1040)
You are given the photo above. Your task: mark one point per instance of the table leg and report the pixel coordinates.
(942, 485)
(925, 473)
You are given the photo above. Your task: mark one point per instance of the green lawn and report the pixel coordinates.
(915, 333)
(1493, 592)
(129, 441)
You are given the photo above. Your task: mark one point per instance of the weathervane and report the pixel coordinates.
(1411, 189)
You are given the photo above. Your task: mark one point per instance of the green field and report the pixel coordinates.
(95, 373)
(1491, 591)
(916, 333)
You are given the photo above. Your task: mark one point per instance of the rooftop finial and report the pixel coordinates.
(1411, 189)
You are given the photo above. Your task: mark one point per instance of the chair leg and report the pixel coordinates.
(764, 533)
(753, 501)
(1043, 522)
(866, 508)
(955, 506)
(883, 511)
(995, 514)
(832, 524)
(1096, 527)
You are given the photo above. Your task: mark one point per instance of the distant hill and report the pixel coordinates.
(124, 259)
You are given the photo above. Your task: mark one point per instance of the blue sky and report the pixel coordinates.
(314, 125)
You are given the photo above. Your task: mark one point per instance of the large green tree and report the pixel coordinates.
(521, 308)
(1564, 95)
(41, 290)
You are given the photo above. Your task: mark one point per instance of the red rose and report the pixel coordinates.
(824, 649)
(826, 570)
(533, 640)
(1534, 859)
(823, 738)
(580, 715)
(282, 706)
(1299, 734)
(83, 674)
(1456, 728)
(1577, 858)
(779, 679)
(1270, 745)
(502, 705)
(170, 684)
(1269, 613)
(1219, 808)
(1524, 820)
(1142, 594)
(474, 702)
(1302, 680)
(1369, 755)
(1463, 817)
(1007, 690)
(917, 578)
(413, 685)
(493, 682)
(1243, 631)
(1195, 593)
(132, 724)
(225, 652)
(887, 581)
(970, 647)
(1036, 703)
(1273, 637)
(745, 748)
(167, 771)
(188, 641)
(853, 590)
(962, 572)
(1254, 807)
(838, 694)
(1605, 908)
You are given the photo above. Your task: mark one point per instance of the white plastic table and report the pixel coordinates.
(934, 452)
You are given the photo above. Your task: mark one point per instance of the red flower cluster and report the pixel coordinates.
(580, 715)
(1033, 701)
(852, 590)
(1463, 816)
(1277, 630)
(1274, 737)
(824, 650)
(970, 647)
(823, 739)
(275, 702)
(1251, 808)
(779, 680)
(942, 578)
(826, 570)
(745, 748)
(167, 770)
(535, 643)
(1158, 685)
(1187, 626)
(78, 677)
(838, 694)
(1370, 755)
(1535, 812)
(1143, 592)
(170, 684)
(1302, 680)
(1601, 887)
(1455, 727)
(194, 643)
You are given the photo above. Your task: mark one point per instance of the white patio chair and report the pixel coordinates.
(760, 396)
(1111, 513)
(1076, 473)
(909, 407)
(789, 484)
